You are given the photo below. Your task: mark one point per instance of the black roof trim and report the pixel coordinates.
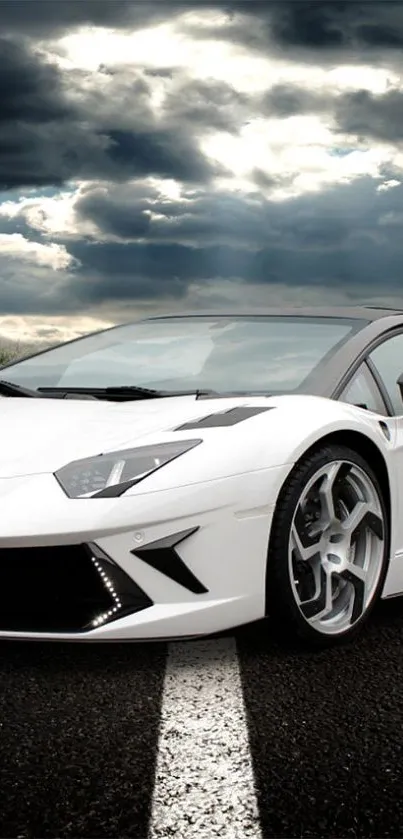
(364, 313)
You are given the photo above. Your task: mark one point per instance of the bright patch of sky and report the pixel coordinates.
(47, 330)
(168, 46)
(54, 256)
(300, 147)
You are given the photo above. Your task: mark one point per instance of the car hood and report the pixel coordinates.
(42, 435)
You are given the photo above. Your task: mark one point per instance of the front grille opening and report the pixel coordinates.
(66, 589)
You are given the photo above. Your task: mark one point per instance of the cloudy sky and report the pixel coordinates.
(162, 156)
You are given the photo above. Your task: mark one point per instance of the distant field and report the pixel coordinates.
(7, 355)
(12, 353)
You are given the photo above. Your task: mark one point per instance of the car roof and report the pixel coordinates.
(364, 313)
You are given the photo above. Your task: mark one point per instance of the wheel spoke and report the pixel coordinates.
(306, 534)
(320, 605)
(326, 492)
(305, 552)
(362, 516)
(357, 576)
(355, 518)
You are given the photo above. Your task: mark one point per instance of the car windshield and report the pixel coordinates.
(248, 354)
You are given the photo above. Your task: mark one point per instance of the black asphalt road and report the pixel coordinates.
(78, 738)
(79, 733)
(326, 733)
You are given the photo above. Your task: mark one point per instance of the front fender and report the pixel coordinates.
(302, 421)
(276, 437)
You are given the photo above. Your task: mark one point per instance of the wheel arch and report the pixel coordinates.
(365, 447)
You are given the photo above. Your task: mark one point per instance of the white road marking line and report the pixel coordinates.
(204, 784)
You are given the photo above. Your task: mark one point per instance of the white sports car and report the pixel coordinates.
(186, 474)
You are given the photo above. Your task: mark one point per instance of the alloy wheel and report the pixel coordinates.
(336, 547)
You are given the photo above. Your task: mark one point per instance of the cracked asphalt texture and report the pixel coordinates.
(79, 735)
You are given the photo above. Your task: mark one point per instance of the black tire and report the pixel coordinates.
(281, 603)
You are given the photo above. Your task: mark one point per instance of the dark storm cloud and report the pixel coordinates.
(323, 29)
(319, 26)
(347, 236)
(32, 103)
(330, 25)
(41, 155)
(372, 115)
(208, 103)
(321, 220)
(286, 100)
(51, 130)
(31, 89)
(25, 289)
(163, 152)
(315, 25)
(45, 18)
(17, 224)
(216, 217)
(122, 215)
(131, 272)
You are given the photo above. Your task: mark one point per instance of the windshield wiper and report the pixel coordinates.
(10, 389)
(119, 392)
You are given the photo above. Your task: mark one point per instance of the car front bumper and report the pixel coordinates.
(183, 562)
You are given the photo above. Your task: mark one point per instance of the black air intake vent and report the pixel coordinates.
(68, 588)
(224, 418)
(163, 557)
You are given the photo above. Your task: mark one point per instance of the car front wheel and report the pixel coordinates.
(328, 546)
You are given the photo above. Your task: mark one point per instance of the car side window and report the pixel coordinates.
(362, 390)
(388, 360)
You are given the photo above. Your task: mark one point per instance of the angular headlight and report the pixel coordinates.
(110, 475)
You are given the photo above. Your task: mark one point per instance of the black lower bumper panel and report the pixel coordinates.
(63, 589)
